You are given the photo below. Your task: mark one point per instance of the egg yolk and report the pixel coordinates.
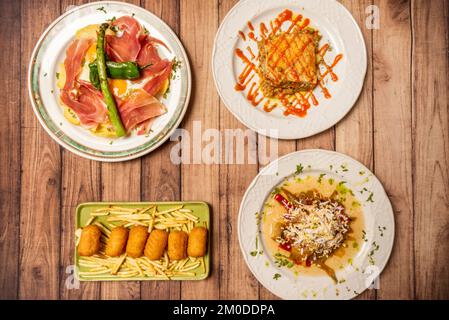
(119, 86)
(91, 53)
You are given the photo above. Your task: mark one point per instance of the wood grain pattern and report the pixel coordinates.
(237, 282)
(10, 150)
(41, 178)
(431, 147)
(199, 21)
(392, 139)
(399, 127)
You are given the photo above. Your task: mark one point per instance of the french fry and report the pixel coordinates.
(169, 210)
(118, 265)
(191, 267)
(91, 219)
(130, 217)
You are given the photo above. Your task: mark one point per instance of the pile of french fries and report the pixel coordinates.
(176, 218)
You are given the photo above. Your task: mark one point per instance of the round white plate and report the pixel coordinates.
(378, 217)
(50, 52)
(337, 27)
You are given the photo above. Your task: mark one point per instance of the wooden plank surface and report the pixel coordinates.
(431, 147)
(234, 179)
(40, 221)
(399, 128)
(392, 139)
(10, 150)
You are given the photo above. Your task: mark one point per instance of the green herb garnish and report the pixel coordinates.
(102, 9)
(299, 169)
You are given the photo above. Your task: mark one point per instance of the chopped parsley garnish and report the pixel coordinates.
(283, 261)
(102, 9)
(381, 230)
(299, 168)
(276, 276)
(370, 198)
(176, 64)
(166, 93)
(57, 75)
(374, 247)
(320, 178)
(364, 238)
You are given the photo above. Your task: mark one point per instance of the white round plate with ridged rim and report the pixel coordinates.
(337, 27)
(49, 52)
(373, 253)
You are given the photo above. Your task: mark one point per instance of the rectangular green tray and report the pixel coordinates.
(199, 208)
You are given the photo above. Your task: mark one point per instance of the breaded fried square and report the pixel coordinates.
(288, 62)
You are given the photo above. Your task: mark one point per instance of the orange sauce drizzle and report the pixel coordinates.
(268, 107)
(300, 102)
(250, 53)
(253, 93)
(252, 36)
(242, 35)
(263, 30)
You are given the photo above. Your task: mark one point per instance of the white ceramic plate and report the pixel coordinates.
(337, 27)
(378, 219)
(50, 52)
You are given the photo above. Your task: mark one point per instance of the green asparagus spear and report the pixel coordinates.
(108, 98)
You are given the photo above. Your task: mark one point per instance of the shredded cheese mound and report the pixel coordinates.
(315, 230)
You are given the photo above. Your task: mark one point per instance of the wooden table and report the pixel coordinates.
(399, 128)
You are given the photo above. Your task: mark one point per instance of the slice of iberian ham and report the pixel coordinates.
(87, 102)
(125, 44)
(81, 96)
(138, 108)
(130, 43)
(74, 57)
(156, 70)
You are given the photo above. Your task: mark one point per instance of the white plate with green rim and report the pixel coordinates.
(368, 258)
(44, 93)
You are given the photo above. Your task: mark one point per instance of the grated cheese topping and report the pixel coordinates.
(315, 230)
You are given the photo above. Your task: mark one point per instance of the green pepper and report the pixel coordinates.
(93, 75)
(115, 70)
